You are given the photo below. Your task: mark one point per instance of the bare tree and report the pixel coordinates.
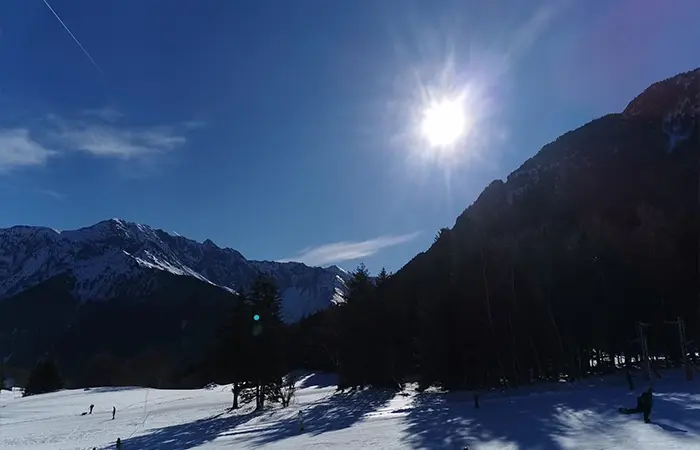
(282, 392)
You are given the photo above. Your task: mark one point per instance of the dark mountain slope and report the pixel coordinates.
(596, 231)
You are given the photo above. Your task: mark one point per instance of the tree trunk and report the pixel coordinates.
(258, 403)
(537, 358)
(488, 308)
(236, 391)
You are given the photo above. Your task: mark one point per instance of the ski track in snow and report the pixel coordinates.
(580, 416)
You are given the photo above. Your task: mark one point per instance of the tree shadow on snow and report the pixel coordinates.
(187, 435)
(444, 420)
(338, 411)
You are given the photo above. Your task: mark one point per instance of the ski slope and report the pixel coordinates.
(564, 416)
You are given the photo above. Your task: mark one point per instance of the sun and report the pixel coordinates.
(444, 123)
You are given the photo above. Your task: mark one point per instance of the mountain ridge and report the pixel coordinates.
(105, 256)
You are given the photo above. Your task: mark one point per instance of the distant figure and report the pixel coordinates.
(644, 403)
(301, 422)
(114, 411)
(119, 443)
(91, 406)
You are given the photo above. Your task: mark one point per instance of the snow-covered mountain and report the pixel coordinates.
(113, 258)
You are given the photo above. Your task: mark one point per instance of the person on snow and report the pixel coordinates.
(114, 411)
(119, 443)
(91, 406)
(644, 403)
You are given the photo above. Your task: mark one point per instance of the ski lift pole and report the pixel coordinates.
(645, 349)
(684, 350)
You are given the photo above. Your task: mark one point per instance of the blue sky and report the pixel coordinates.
(288, 129)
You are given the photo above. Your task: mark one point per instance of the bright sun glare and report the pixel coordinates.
(444, 123)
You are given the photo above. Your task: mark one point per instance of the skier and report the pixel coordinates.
(114, 411)
(644, 403)
(119, 443)
(91, 406)
(301, 422)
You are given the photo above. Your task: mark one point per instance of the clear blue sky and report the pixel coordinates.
(287, 129)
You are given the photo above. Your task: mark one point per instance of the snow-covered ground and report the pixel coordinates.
(574, 416)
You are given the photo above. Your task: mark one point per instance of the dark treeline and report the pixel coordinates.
(470, 314)
(474, 313)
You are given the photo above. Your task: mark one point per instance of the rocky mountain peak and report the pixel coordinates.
(678, 95)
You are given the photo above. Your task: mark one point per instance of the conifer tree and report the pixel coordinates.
(268, 357)
(232, 354)
(46, 377)
(356, 323)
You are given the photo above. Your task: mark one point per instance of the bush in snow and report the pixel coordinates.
(282, 392)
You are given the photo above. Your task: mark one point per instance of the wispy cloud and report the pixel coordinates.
(19, 149)
(194, 124)
(336, 252)
(105, 113)
(119, 142)
(51, 193)
(102, 133)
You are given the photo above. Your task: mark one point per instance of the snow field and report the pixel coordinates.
(582, 416)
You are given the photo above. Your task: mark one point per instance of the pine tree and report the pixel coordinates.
(46, 377)
(382, 278)
(357, 323)
(268, 364)
(233, 350)
(383, 351)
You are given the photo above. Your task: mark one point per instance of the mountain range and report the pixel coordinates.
(131, 289)
(114, 258)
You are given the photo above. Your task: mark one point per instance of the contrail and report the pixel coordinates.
(74, 38)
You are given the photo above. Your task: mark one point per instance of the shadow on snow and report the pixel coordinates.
(336, 412)
(445, 420)
(340, 410)
(187, 435)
